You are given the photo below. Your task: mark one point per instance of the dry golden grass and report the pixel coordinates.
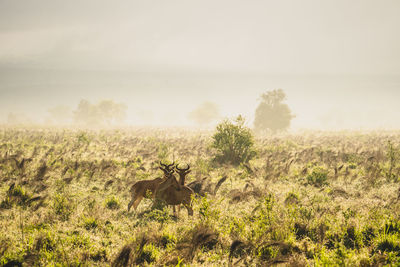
(305, 199)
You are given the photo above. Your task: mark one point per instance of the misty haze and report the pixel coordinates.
(273, 125)
(338, 62)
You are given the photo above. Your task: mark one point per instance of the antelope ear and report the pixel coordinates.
(188, 171)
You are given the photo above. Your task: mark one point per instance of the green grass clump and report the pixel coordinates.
(157, 215)
(6, 203)
(90, 223)
(318, 176)
(63, 206)
(112, 203)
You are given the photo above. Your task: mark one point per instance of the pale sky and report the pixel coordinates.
(338, 61)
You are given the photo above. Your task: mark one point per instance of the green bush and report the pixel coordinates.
(234, 142)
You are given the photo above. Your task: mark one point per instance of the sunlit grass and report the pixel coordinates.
(317, 198)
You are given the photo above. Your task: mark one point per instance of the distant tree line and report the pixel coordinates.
(204, 114)
(104, 113)
(271, 115)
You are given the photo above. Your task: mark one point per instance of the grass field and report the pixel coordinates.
(312, 199)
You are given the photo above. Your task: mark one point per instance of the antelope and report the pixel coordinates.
(182, 173)
(148, 188)
(175, 196)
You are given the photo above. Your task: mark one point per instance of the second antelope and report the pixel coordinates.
(175, 196)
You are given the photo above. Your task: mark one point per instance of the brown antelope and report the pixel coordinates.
(175, 196)
(148, 188)
(182, 173)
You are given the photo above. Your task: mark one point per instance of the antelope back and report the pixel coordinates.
(144, 185)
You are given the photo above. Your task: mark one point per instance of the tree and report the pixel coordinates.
(205, 113)
(107, 112)
(272, 114)
(86, 114)
(234, 142)
(112, 112)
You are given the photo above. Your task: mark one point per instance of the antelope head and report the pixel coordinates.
(168, 169)
(169, 177)
(182, 173)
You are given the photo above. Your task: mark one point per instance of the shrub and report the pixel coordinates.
(234, 142)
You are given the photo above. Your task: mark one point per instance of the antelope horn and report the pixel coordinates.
(179, 169)
(170, 165)
(164, 165)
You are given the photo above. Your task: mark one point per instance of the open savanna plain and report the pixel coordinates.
(305, 199)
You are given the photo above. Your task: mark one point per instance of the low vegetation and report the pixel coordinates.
(323, 199)
(233, 142)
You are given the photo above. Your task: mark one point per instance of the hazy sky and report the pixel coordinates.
(338, 61)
